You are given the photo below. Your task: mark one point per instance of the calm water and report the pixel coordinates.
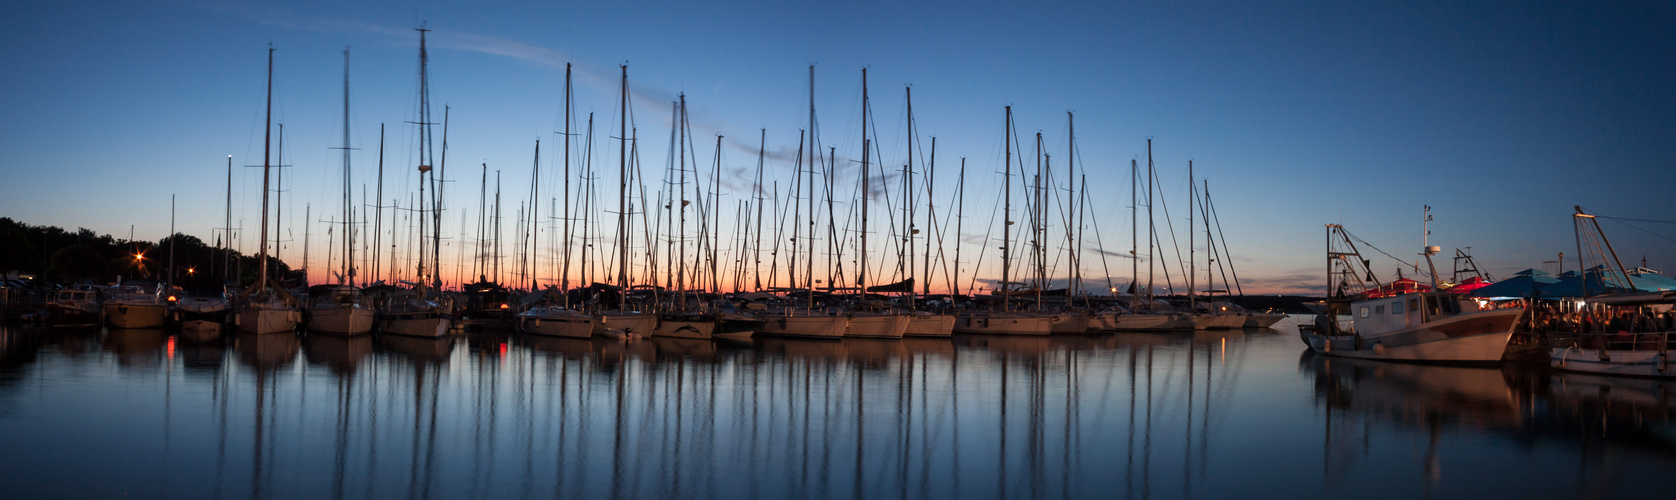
(151, 413)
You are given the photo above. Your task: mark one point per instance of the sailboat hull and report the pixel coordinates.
(813, 326)
(573, 326)
(628, 323)
(126, 315)
(882, 326)
(265, 320)
(341, 320)
(1069, 324)
(686, 326)
(1003, 324)
(422, 324)
(930, 325)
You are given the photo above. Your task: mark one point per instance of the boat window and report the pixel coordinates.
(1396, 307)
(1413, 304)
(1379, 309)
(1431, 305)
(1364, 311)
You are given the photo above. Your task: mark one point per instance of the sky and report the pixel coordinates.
(1500, 116)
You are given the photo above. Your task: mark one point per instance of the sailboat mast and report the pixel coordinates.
(564, 274)
(267, 136)
(959, 223)
(907, 257)
(378, 216)
(809, 279)
(716, 217)
(436, 206)
(348, 240)
(622, 184)
(1134, 231)
(756, 246)
(866, 181)
(1071, 229)
(681, 191)
(1007, 213)
(930, 211)
(1192, 259)
(1038, 228)
(227, 225)
(535, 220)
(1150, 172)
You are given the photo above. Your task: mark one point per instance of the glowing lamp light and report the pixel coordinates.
(503, 306)
(172, 298)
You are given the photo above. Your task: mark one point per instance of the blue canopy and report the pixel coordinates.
(1589, 283)
(1533, 272)
(1648, 278)
(1520, 285)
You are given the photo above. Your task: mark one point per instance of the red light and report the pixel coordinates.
(503, 349)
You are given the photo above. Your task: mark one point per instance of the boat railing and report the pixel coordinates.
(1612, 341)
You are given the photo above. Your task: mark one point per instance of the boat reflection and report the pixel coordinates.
(339, 352)
(137, 346)
(266, 352)
(1602, 418)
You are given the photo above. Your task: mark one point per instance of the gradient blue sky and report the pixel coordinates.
(1500, 115)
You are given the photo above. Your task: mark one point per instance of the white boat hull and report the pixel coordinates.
(414, 326)
(812, 326)
(573, 326)
(880, 326)
(1149, 322)
(1262, 320)
(341, 320)
(930, 325)
(635, 324)
(1069, 324)
(1636, 363)
(1473, 337)
(265, 320)
(1006, 324)
(686, 326)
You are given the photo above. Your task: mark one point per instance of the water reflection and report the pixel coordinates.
(1603, 421)
(492, 414)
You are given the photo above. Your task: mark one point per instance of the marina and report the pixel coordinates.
(856, 250)
(1193, 414)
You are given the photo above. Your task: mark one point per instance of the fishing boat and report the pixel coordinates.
(74, 307)
(1414, 326)
(1620, 327)
(136, 304)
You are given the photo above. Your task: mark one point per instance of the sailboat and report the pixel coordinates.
(869, 318)
(622, 319)
(413, 311)
(543, 315)
(681, 319)
(1005, 321)
(341, 308)
(1416, 326)
(790, 320)
(1143, 313)
(920, 323)
(266, 307)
